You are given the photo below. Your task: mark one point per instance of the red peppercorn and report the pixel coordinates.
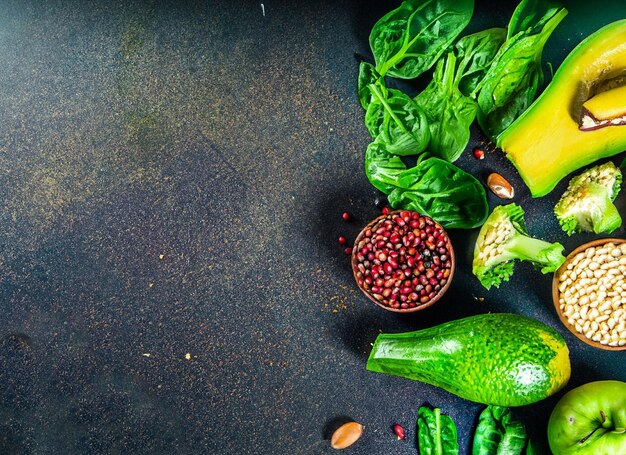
(345, 216)
(479, 154)
(341, 240)
(399, 431)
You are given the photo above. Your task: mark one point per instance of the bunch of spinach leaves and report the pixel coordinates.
(498, 434)
(492, 74)
(446, 100)
(513, 79)
(405, 43)
(409, 40)
(449, 112)
(433, 186)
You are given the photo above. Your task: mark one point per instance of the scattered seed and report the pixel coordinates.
(500, 186)
(399, 431)
(341, 240)
(479, 154)
(346, 435)
(345, 216)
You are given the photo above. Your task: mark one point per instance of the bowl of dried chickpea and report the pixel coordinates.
(589, 293)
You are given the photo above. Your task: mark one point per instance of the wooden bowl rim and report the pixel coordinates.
(354, 263)
(556, 293)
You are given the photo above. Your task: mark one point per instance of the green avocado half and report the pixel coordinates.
(559, 132)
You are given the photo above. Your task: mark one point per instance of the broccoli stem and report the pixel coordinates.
(528, 248)
(609, 219)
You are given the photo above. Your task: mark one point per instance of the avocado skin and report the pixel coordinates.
(545, 143)
(498, 359)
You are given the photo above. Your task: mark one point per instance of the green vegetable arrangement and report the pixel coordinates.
(493, 74)
(501, 360)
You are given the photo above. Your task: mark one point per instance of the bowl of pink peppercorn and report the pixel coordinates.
(403, 261)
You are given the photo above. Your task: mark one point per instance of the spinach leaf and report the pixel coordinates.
(489, 430)
(450, 113)
(531, 449)
(474, 54)
(449, 109)
(514, 439)
(408, 40)
(436, 433)
(395, 119)
(515, 75)
(527, 14)
(449, 195)
(367, 75)
(498, 434)
(382, 168)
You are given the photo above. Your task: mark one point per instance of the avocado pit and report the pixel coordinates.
(605, 109)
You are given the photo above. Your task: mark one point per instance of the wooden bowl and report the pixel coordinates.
(420, 306)
(556, 293)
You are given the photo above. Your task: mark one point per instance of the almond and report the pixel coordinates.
(346, 435)
(500, 186)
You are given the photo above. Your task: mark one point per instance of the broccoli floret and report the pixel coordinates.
(587, 204)
(502, 239)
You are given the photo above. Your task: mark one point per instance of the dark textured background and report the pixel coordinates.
(172, 178)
